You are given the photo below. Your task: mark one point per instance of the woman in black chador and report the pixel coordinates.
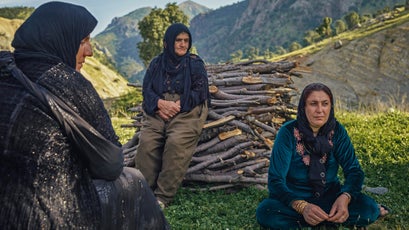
(61, 165)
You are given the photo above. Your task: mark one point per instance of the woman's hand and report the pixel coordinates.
(314, 215)
(168, 109)
(339, 211)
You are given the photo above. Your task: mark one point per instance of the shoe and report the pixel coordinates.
(375, 190)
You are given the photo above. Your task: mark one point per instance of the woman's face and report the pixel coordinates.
(84, 51)
(317, 109)
(181, 44)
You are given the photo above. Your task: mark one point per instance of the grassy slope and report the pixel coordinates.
(108, 83)
(7, 29)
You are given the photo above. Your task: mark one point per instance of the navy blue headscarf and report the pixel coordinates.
(187, 72)
(54, 31)
(320, 145)
(171, 61)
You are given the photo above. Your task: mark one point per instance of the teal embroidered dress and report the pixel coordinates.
(288, 181)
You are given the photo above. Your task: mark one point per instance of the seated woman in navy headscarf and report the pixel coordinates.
(175, 104)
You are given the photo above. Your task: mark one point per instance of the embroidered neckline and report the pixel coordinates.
(303, 152)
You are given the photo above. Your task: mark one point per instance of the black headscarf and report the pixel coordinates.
(170, 61)
(54, 31)
(318, 145)
(173, 65)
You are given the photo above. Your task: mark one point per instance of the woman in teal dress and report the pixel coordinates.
(303, 183)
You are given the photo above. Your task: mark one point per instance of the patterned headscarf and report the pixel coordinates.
(320, 145)
(54, 31)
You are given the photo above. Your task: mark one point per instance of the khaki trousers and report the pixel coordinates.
(166, 148)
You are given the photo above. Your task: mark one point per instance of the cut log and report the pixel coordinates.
(218, 122)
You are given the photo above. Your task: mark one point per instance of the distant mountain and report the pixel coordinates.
(191, 9)
(119, 40)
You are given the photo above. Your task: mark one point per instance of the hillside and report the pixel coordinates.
(7, 29)
(119, 41)
(265, 24)
(372, 69)
(107, 82)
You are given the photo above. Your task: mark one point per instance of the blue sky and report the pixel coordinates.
(106, 10)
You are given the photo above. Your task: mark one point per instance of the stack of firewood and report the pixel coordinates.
(250, 102)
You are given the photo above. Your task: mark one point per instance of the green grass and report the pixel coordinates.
(381, 141)
(124, 133)
(119, 107)
(215, 210)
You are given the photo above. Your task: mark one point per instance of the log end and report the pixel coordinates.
(213, 89)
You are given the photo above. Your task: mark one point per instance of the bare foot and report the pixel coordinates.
(383, 211)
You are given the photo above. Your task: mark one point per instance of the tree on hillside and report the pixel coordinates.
(236, 56)
(268, 54)
(311, 37)
(295, 46)
(280, 50)
(325, 28)
(251, 52)
(152, 29)
(16, 12)
(340, 26)
(352, 19)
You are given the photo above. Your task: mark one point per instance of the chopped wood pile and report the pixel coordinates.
(250, 101)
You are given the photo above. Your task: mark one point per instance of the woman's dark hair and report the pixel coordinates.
(314, 87)
(301, 116)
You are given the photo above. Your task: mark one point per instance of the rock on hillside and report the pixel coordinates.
(367, 70)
